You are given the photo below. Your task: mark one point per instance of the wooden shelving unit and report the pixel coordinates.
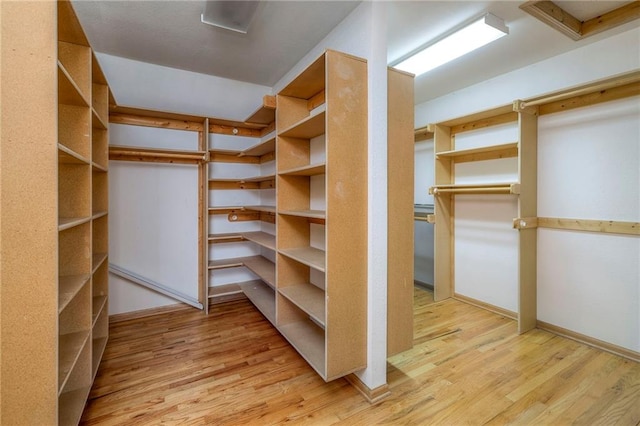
(446, 189)
(59, 297)
(260, 291)
(321, 291)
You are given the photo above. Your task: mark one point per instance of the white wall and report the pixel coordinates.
(154, 207)
(588, 167)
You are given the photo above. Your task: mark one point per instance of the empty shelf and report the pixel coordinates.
(68, 156)
(308, 340)
(314, 214)
(310, 256)
(70, 222)
(506, 150)
(68, 287)
(259, 265)
(309, 298)
(262, 296)
(98, 258)
(309, 127)
(69, 347)
(308, 170)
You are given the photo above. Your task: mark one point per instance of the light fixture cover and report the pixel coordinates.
(230, 15)
(469, 38)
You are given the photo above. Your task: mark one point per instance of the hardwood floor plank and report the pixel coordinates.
(467, 366)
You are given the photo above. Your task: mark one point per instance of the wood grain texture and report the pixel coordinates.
(467, 366)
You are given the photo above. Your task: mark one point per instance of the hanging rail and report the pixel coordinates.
(152, 285)
(589, 225)
(494, 188)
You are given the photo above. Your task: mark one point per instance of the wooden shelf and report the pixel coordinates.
(261, 238)
(70, 222)
(98, 303)
(266, 113)
(223, 290)
(96, 121)
(310, 256)
(68, 156)
(259, 265)
(264, 147)
(256, 182)
(307, 128)
(308, 340)
(71, 404)
(262, 296)
(506, 150)
(98, 168)
(68, 287)
(310, 170)
(99, 214)
(70, 346)
(97, 260)
(98, 346)
(68, 91)
(313, 214)
(309, 298)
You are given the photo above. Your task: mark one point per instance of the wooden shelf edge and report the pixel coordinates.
(68, 156)
(310, 256)
(128, 153)
(308, 170)
(313, 121)
(65, 223)
(507, 149)
(313, 214)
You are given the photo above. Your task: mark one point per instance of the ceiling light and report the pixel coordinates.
(469, 38)
(230, 15)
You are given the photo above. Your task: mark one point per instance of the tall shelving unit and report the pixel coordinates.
(260, 291)
(321, 214)
(446, 189)
(54, 334)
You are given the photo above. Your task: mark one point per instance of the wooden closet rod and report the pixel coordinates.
(482, 190)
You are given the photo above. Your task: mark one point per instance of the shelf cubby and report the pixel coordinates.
(74, 130)
(74, 194)
(303, 334)
(74, 251)
(74, 325)
(321, 203)
(308, 298)
(75, 59)
(100, 148)
(492, 152)
(259, 265)
(68, 287)
(100, 192)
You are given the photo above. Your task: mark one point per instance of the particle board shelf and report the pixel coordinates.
(97, 350)
(68, 156)
(68, 287)
(225, 238)
(259, 265)
(97, 122)
(261, 238)
(507, 150)
(68, 91)
(98, 168)
(310, 256)
(262, 296)
(71, 404)
(223, 290)
(487, 118)
(308, 339)
(309, 127)
(266, 113)
(259, 153)
(310, 170)
(98, 214)
(97, 260)
(70, 348)
(312, 214)
(255, 182)
(65, 223)
(98, 303)
(308, 298)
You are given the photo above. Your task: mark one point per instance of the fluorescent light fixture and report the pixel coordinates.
(469, 38)
(230, 15)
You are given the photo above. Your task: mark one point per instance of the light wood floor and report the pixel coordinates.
(468, 366)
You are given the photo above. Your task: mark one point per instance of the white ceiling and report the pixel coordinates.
(170, 33)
